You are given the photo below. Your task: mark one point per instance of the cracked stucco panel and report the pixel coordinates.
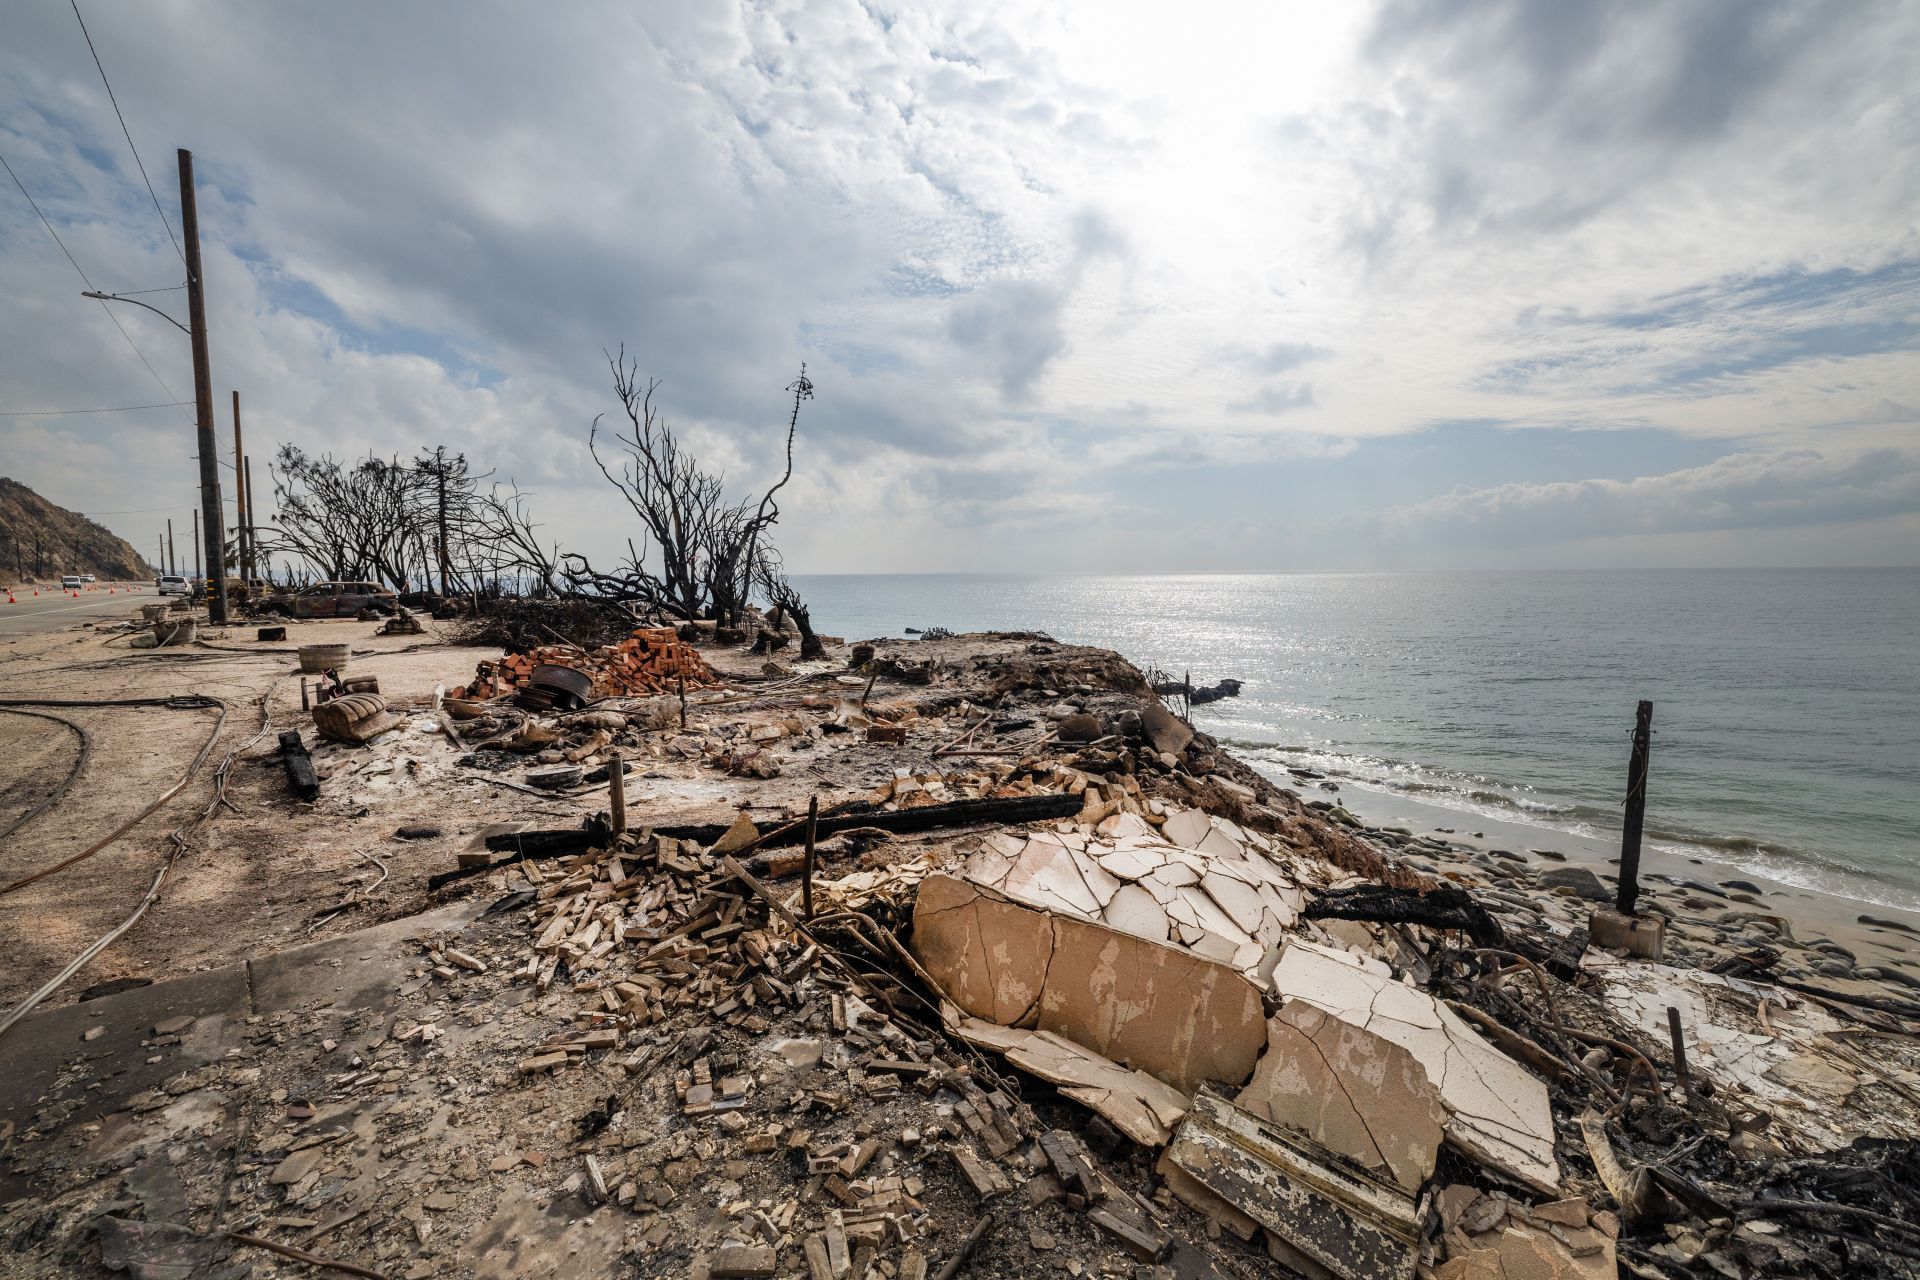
(1150, 1006)
(1498, 1111)
(1349, 1090)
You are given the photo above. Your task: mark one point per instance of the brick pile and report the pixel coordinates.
(651, 660)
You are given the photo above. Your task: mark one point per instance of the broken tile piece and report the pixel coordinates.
(1152, 1007)
(1134, 910)
(1138, 1105)
(1493, 1238)
(1498, 1111)
(1350, 1090)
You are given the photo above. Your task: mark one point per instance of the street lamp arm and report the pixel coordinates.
(114, 297)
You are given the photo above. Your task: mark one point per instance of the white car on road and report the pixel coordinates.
(173, 584)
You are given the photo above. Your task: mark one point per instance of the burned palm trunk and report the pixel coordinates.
(1435, 908)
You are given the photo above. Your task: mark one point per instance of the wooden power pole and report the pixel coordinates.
(173, 565)
(1636, 811)
(210, 505)
(242, 507)
(196, 544)
(253, 530)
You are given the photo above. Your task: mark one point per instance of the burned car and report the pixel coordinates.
(332, 600)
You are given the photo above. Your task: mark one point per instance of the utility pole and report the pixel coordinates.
(240, 494)
(161, 563)
(253, 549)
(196, 544)
(210, 506)
(173, 566)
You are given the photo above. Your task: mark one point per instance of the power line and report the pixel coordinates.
(56, 413)
(124, 130)
(43, 219)
(83, 277)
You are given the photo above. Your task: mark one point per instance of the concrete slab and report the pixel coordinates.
(49, 1070)
(353, 971)
(50, 1044)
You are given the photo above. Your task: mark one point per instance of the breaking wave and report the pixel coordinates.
(1475, 795)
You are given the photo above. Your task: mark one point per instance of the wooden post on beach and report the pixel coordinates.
(1636, 811)
(1680, 1072)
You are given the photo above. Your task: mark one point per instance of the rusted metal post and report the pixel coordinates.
(1636, 812)
(210, 506)
(806, 884)
(1679, 1052)
(617, 791)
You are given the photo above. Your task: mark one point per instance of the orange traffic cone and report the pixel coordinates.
(10, 599)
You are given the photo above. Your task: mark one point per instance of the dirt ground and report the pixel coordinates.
(250, 880)
(272, 871)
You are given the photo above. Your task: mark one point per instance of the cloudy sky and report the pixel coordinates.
(1229, 286)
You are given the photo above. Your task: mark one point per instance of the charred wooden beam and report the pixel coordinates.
(595, 834)
(1444, 908)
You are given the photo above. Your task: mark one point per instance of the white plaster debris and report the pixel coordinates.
(1797, 1066)
(1199, 882)
(1140, 1106)
(1349, 1089)
(1498, 1111)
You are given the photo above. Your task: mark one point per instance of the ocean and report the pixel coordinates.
(1786, 719)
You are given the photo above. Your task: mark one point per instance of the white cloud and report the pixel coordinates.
(1739, 492)
(1007, 239)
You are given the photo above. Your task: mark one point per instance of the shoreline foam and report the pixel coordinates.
(1813, 912)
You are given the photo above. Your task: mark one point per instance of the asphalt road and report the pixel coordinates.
(52, 610)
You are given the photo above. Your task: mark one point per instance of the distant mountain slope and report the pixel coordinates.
(64, 541)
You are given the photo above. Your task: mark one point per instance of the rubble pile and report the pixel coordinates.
(786, 1061)
(984, 963)
(650, 660)
(1321, 1047)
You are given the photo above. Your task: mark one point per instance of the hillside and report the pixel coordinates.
(67, 541)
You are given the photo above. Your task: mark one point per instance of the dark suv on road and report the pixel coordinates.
(332, 600)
